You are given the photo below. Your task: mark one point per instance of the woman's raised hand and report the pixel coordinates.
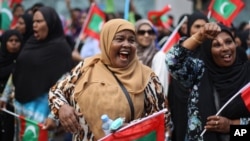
(208, 31)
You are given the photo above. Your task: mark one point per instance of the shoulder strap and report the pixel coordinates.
(132, 110)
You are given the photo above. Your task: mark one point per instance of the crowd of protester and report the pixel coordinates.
(44, 72)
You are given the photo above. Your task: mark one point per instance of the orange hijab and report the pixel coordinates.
(97, 92)
(134, 77)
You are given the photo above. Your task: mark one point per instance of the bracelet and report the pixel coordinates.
(196, 40)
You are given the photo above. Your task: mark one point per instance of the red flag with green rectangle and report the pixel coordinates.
(155, 16)
(95, 21)
(225, 10)
(167, 22)
(31, 130)
(151, 128)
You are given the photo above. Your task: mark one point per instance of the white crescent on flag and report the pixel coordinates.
(222, 7)
(100, 25)
(7, 12)
(31, 129)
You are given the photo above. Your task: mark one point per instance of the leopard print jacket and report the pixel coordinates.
(63, 93)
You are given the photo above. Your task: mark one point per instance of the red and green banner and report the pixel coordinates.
(5, 16)
(32, 130)
(151, 128)
(225, 10)
(94, 22)
(167, 22)
(156, 16)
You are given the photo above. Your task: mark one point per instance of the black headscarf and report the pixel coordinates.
(28, 26)
(229, 80)
(42, 62)
(194, 17)
(7, 59)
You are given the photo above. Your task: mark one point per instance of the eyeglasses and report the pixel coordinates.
(142, 32)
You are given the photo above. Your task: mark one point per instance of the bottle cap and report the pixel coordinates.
(116, 124)
(104, 118)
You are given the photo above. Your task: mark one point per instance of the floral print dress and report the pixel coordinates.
(188, 71)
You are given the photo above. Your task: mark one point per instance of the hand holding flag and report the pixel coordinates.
(94, 21)
(93, 24)
(245, 95)
(30, 130)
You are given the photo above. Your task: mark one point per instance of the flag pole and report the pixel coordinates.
(126, 9)
(209, 14)
(249, 30)
(18, 116)
(231, 99)
(78, 40)
(9, 112)
(174, 32)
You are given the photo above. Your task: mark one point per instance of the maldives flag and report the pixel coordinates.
(245, 95)
(225, 10)
(32, 130)
(173, 38)
(5, 16)
(166, 21)
(151, 128)
(94, 22)
(155, 16)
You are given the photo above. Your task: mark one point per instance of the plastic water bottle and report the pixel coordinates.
(106, 123)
